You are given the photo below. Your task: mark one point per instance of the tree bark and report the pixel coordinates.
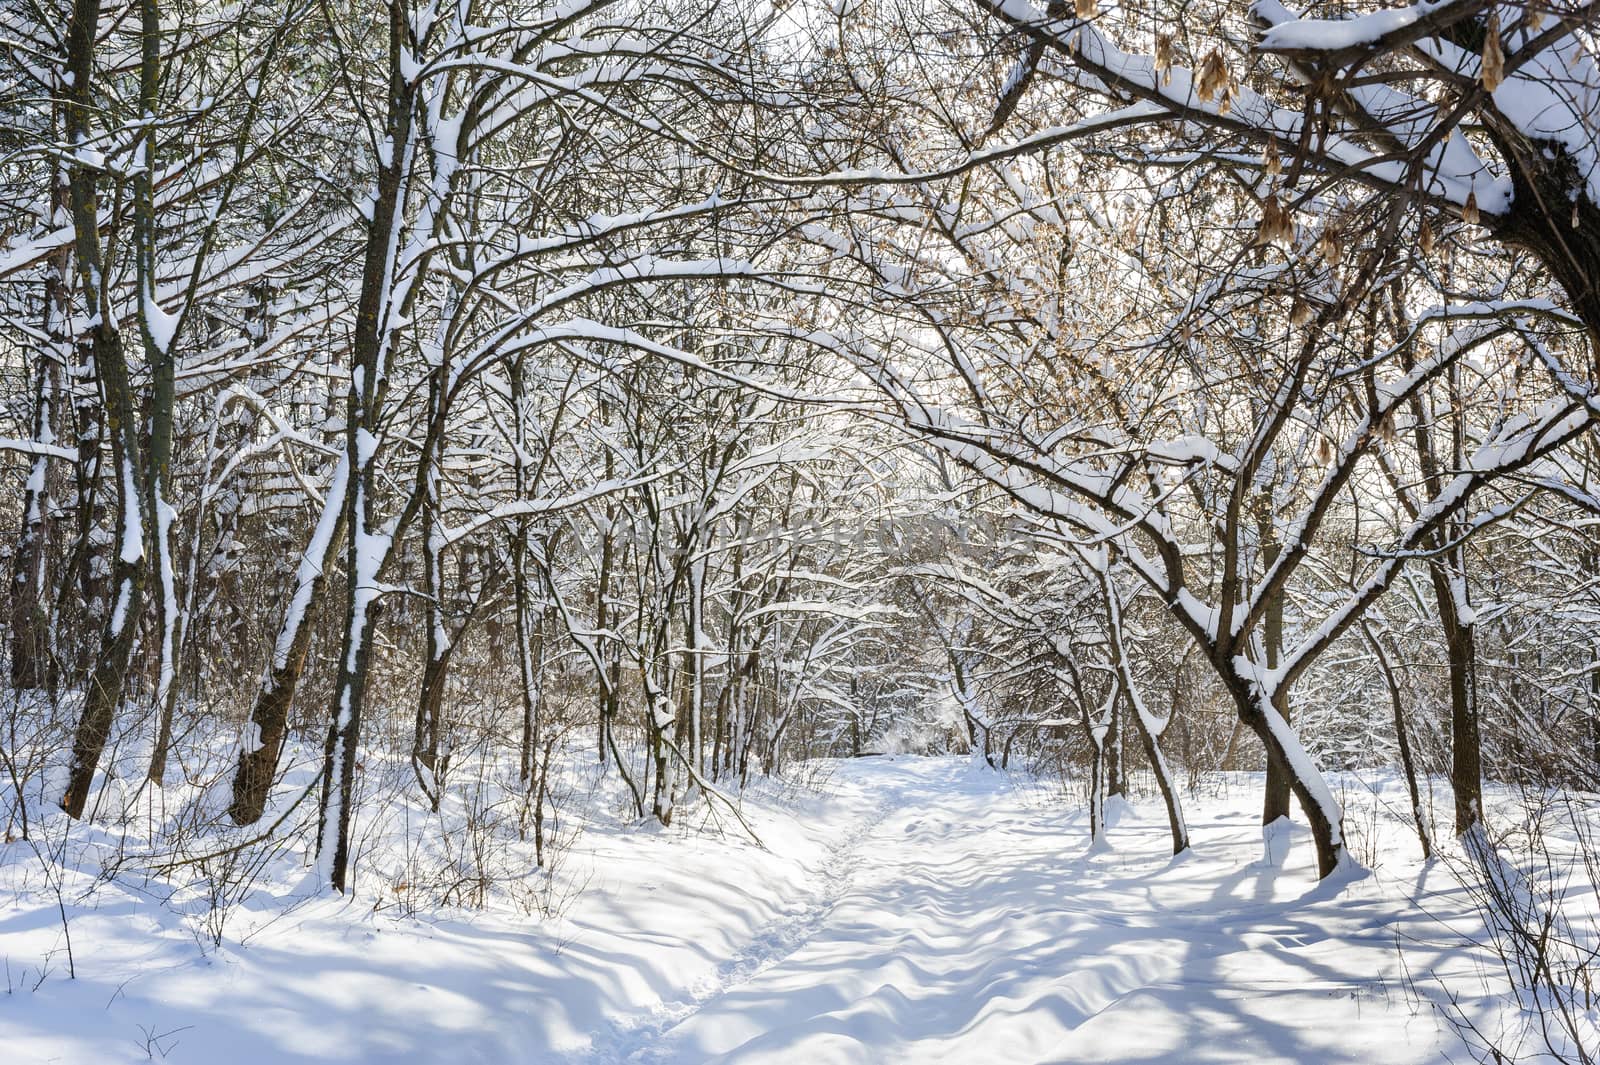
(1466, 747)
(106, 353)
(269, 718)
(1275, 799)
(367, 548)
(163, 368)
(1315, 801)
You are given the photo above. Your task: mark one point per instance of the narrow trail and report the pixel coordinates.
(775, 943)
(960, 922)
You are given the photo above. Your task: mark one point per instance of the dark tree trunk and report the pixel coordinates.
(163, 369)
(530, 660)
(1552, 216)
(1097, 779)
(607, 708)
(1116, 786)
(366, 549)
(429, 724)
(1275, 800)
(106, 353)
(121, 629)
(1466, 748)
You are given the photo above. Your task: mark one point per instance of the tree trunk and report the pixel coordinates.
(30, 617)
(364, 558)
(163, 368)
(690, 741)
(367, 549)
(1466, 749)
(81, 589)
(1149, 741)
(1116, 786)
(111, 370)
(430, 725)
(1097, 777)
(530, 671)
(1308, 786)
(659, 719)
(1149, 728)
(269, 718)
(1407, 762)
(127, 578)
(1275, 800)
(607, 707)
(530, 652)
(430, 698)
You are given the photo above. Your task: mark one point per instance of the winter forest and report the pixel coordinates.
(782, 531)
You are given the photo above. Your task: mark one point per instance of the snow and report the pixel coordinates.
(904, 910)
(163, 327)
(1191, 449)
(37, 447)
(165, 516)
(1333, 34)
(1450, 175)
(1551, 95)
(1555, 96)
(132, 549)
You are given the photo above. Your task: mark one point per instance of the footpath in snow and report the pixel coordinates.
(916, 910)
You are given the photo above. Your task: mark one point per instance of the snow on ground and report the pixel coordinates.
(906, 910)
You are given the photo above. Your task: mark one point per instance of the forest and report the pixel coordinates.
(782, 530)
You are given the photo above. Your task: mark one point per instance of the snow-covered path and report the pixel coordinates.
(921, 910)
(968, 926)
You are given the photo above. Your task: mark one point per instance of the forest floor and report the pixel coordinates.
(900, 910)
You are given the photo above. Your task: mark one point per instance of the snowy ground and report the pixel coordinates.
(911, 910)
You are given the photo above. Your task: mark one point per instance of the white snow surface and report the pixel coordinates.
(1344, 33)
(903, 910)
